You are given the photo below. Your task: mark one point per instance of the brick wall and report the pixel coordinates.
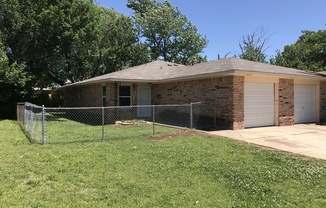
(111, 94)
(90, 96)
(221, 99)
(134, 94)
(238, 103)
(323, 101)
(286, 102)
(85, 96)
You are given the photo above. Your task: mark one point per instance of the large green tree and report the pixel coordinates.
(117, 44)
(13, 80)
(308, 53)
(167, 32)
(56, 41)
(53, 38)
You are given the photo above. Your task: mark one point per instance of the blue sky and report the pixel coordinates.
(224, 22)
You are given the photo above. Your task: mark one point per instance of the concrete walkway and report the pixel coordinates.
(304, 139)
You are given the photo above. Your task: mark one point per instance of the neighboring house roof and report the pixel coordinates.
(162, 71)
(323, 73)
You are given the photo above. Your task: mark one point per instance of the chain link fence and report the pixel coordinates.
(64, 125)
(33, 121)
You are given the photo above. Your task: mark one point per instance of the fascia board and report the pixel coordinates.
(283, 75)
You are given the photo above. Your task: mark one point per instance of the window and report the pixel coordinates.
(103, 96)
(124, 96)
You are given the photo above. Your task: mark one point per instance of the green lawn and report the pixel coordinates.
(62, 131)
(132, 171)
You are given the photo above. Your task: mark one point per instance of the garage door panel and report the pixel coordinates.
(259, 104)
(266, 99)
(253, 105)
(260, 99)
(304, 103)
(255, 115)
(262, 121)
(260, 116)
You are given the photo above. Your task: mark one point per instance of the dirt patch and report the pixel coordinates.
(132, 123)
(183, 133)
(118, 124)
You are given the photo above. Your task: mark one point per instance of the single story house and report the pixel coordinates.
(237, 93)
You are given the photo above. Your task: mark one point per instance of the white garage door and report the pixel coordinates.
(258, 104)
(304, 103)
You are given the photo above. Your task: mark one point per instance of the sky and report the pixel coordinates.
(225, 22)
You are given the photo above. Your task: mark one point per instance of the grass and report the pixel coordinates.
(184, 171)
(63, 130)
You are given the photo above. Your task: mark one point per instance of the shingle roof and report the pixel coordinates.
(241, 66)
(162, 71)
(153, 71)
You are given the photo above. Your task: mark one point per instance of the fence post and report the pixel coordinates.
(103, 124)
(43, 126)
(31, 118)
(153, 120)
(20, 111)
(191, 117)
(25, 114)
(215, 117)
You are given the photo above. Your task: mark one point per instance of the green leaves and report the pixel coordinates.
(13, 80)
(167, 32)
(12, 75)
(54, 41)
(60, 41)
(308, 53)
(52, 38)
(117, 44)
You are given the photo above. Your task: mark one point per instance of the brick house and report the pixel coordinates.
(234, 92)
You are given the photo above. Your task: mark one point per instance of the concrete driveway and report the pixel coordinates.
(304, 139)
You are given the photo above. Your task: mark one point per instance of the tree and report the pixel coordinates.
(117, 45)
(13, 79)
(167, 32)
(253, 46)
(54, 39)
(308, 53)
